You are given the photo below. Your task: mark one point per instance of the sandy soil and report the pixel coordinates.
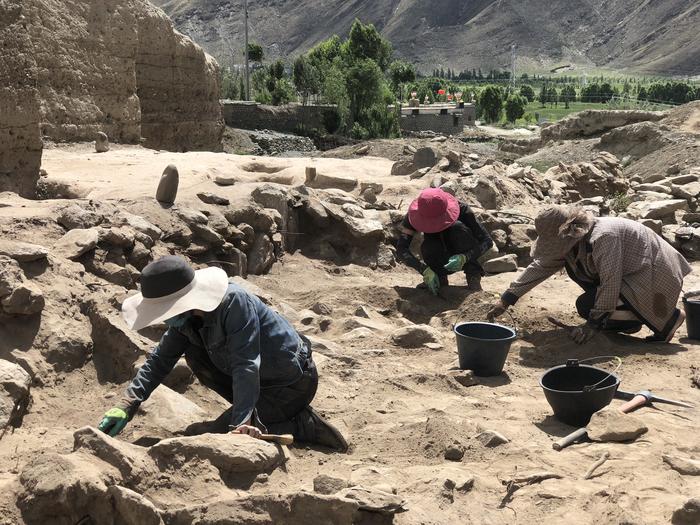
(399, 407)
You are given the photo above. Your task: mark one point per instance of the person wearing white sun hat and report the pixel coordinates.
(234, 344)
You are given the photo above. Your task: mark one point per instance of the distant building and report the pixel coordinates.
(446, 119)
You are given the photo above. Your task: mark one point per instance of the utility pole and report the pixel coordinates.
(512, 67)
(247, 69)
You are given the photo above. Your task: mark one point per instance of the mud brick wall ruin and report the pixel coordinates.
(285, 119)
(427, 118)
(70, 68)
(20, 143)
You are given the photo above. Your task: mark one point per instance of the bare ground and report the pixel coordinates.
(399, 407)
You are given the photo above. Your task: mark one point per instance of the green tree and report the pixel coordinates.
(553, 95)
(306, 77)
(515, 107)
(606, 92)
(401, 73)
(491, 103)
(255, 52)
(527, 92)
(334, 91)
(543, 96)
(277, 70)
(365, 42)
(229, 85)
(568, 95)
(324, 55)
(363, 81)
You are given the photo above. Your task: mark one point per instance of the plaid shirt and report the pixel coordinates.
(624, 258)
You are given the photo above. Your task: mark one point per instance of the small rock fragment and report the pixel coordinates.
(454, 452)
(613, 425)
(22, 251)
(688, 514)
(76, 242)
(321, 308)
(26, 299)
(362, 150)
(424, 158)
(167, 187)
(415, 336)
(101, 142)
(227, 452)
(222, 180)
(463, 377)
(14, 392)
(324, 484)
(491, 438)
(210, 198)
(374, 500)
(685, 466)
(75, 217)
(505, 263)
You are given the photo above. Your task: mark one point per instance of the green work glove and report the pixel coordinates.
(114, 421)
(456, 263)
(431, 280)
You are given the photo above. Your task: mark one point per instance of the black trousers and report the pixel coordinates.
(586, 301)
(277, 408)
(437, 248)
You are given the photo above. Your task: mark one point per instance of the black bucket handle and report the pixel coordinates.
(589, 388)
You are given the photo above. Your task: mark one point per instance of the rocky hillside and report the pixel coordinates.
(69, 69)
(645, 37)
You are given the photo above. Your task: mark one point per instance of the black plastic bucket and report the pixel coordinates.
(483, 347)
(576, 391)
(692, 317)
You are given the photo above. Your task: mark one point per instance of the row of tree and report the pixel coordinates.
(471, 74)
(359, 76)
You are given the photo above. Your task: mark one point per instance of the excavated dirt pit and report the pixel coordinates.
(415, 424)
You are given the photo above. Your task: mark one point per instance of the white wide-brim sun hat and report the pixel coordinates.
(170, 287)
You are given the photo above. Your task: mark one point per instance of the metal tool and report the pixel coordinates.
(556, 322)
(645, 397)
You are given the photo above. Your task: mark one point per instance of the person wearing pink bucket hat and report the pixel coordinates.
(453, 239)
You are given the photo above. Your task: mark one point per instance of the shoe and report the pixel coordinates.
(659, 338)
(676, 326)
(315, 430)
(474, 282)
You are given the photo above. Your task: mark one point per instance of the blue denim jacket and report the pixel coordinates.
(244, 338)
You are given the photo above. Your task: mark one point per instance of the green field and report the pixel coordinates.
(553, 113)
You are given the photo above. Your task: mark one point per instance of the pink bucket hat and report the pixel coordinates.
(433, 211)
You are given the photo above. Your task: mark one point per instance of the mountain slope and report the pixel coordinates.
(647, 36)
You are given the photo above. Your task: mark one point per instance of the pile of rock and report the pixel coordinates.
(602, 176)
(108, 481)
(346, 228)
(19, 295)
(14, 393)
(274, 143)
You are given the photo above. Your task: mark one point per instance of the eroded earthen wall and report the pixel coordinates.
(178, 86)
(85, 53)
(20, 144)
(118, 66)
